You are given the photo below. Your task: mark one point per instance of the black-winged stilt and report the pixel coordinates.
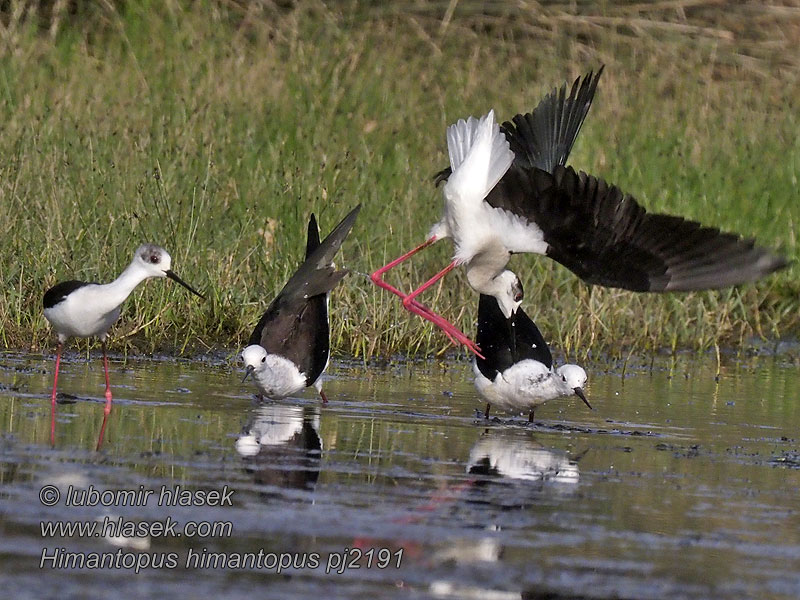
(508, 191)
(516, 370)
(290, 346)
(80, 309)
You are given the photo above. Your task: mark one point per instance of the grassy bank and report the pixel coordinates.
(215, 131)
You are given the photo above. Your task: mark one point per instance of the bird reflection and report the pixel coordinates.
(498, 453)
(281, 446)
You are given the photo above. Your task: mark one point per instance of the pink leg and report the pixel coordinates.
(377, 276)
(324, 397)
(453, 334)
(53, 398)
(107, 409)
(451, 330)
(102, 432)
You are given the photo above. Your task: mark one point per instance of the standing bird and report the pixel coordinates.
(516, 370)
(80, 309)
(508, 191)
(290, 346)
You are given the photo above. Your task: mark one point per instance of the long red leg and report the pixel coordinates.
(53, 398)
(412, 305)
(102, 432)
(377, 276)
(324, 397)
(442, 323)
(107, 409)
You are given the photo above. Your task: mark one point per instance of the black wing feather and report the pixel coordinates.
(505, 342)
(606, 238)
(59, 291)
(543, 138)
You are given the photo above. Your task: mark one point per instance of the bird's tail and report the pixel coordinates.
(479, 155)
(323, 255)
(544, 137)
(317, 274)
(313, 235)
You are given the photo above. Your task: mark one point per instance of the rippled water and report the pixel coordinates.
(675, 486)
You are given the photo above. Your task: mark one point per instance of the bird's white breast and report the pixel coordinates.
(523, 386)
(83, 313)
(278, 377)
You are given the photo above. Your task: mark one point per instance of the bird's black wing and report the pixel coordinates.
(317, 275)
(314, 320)
(528, 340)
(543, 138)
(59, 291)
(606, 238)
(505, 342)
(293, 329)
(295, 325)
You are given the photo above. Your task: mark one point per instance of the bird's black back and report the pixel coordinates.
(505, 342)
(59, 291)
(295, 324)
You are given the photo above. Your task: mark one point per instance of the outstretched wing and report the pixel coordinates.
(605, 237)
(543, 138)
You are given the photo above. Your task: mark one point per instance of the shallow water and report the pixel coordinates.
(674, 486)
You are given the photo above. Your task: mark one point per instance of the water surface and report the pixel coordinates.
(675, 486)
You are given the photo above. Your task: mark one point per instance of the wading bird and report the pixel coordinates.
(80, 309)
(508, 190)
(516, 371)
(290, 346)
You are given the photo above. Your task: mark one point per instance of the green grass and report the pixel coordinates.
(215, 131)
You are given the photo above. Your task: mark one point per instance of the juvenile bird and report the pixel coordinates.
(290, 347)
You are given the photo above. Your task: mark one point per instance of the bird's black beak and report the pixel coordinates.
(579, 393)
(250, 368)
(171, 274)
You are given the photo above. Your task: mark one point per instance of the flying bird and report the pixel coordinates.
(509, 190)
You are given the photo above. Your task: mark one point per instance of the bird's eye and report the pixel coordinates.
(563, 378)
(264, 359)
(518, 297)
(154, 258)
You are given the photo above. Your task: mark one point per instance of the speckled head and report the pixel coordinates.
(153, 259)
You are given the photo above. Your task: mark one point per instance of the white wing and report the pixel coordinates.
(479, 157)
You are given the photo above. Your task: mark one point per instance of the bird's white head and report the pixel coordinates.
(254, 357)
(574, 377)
(153, 261)
(508, 291)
